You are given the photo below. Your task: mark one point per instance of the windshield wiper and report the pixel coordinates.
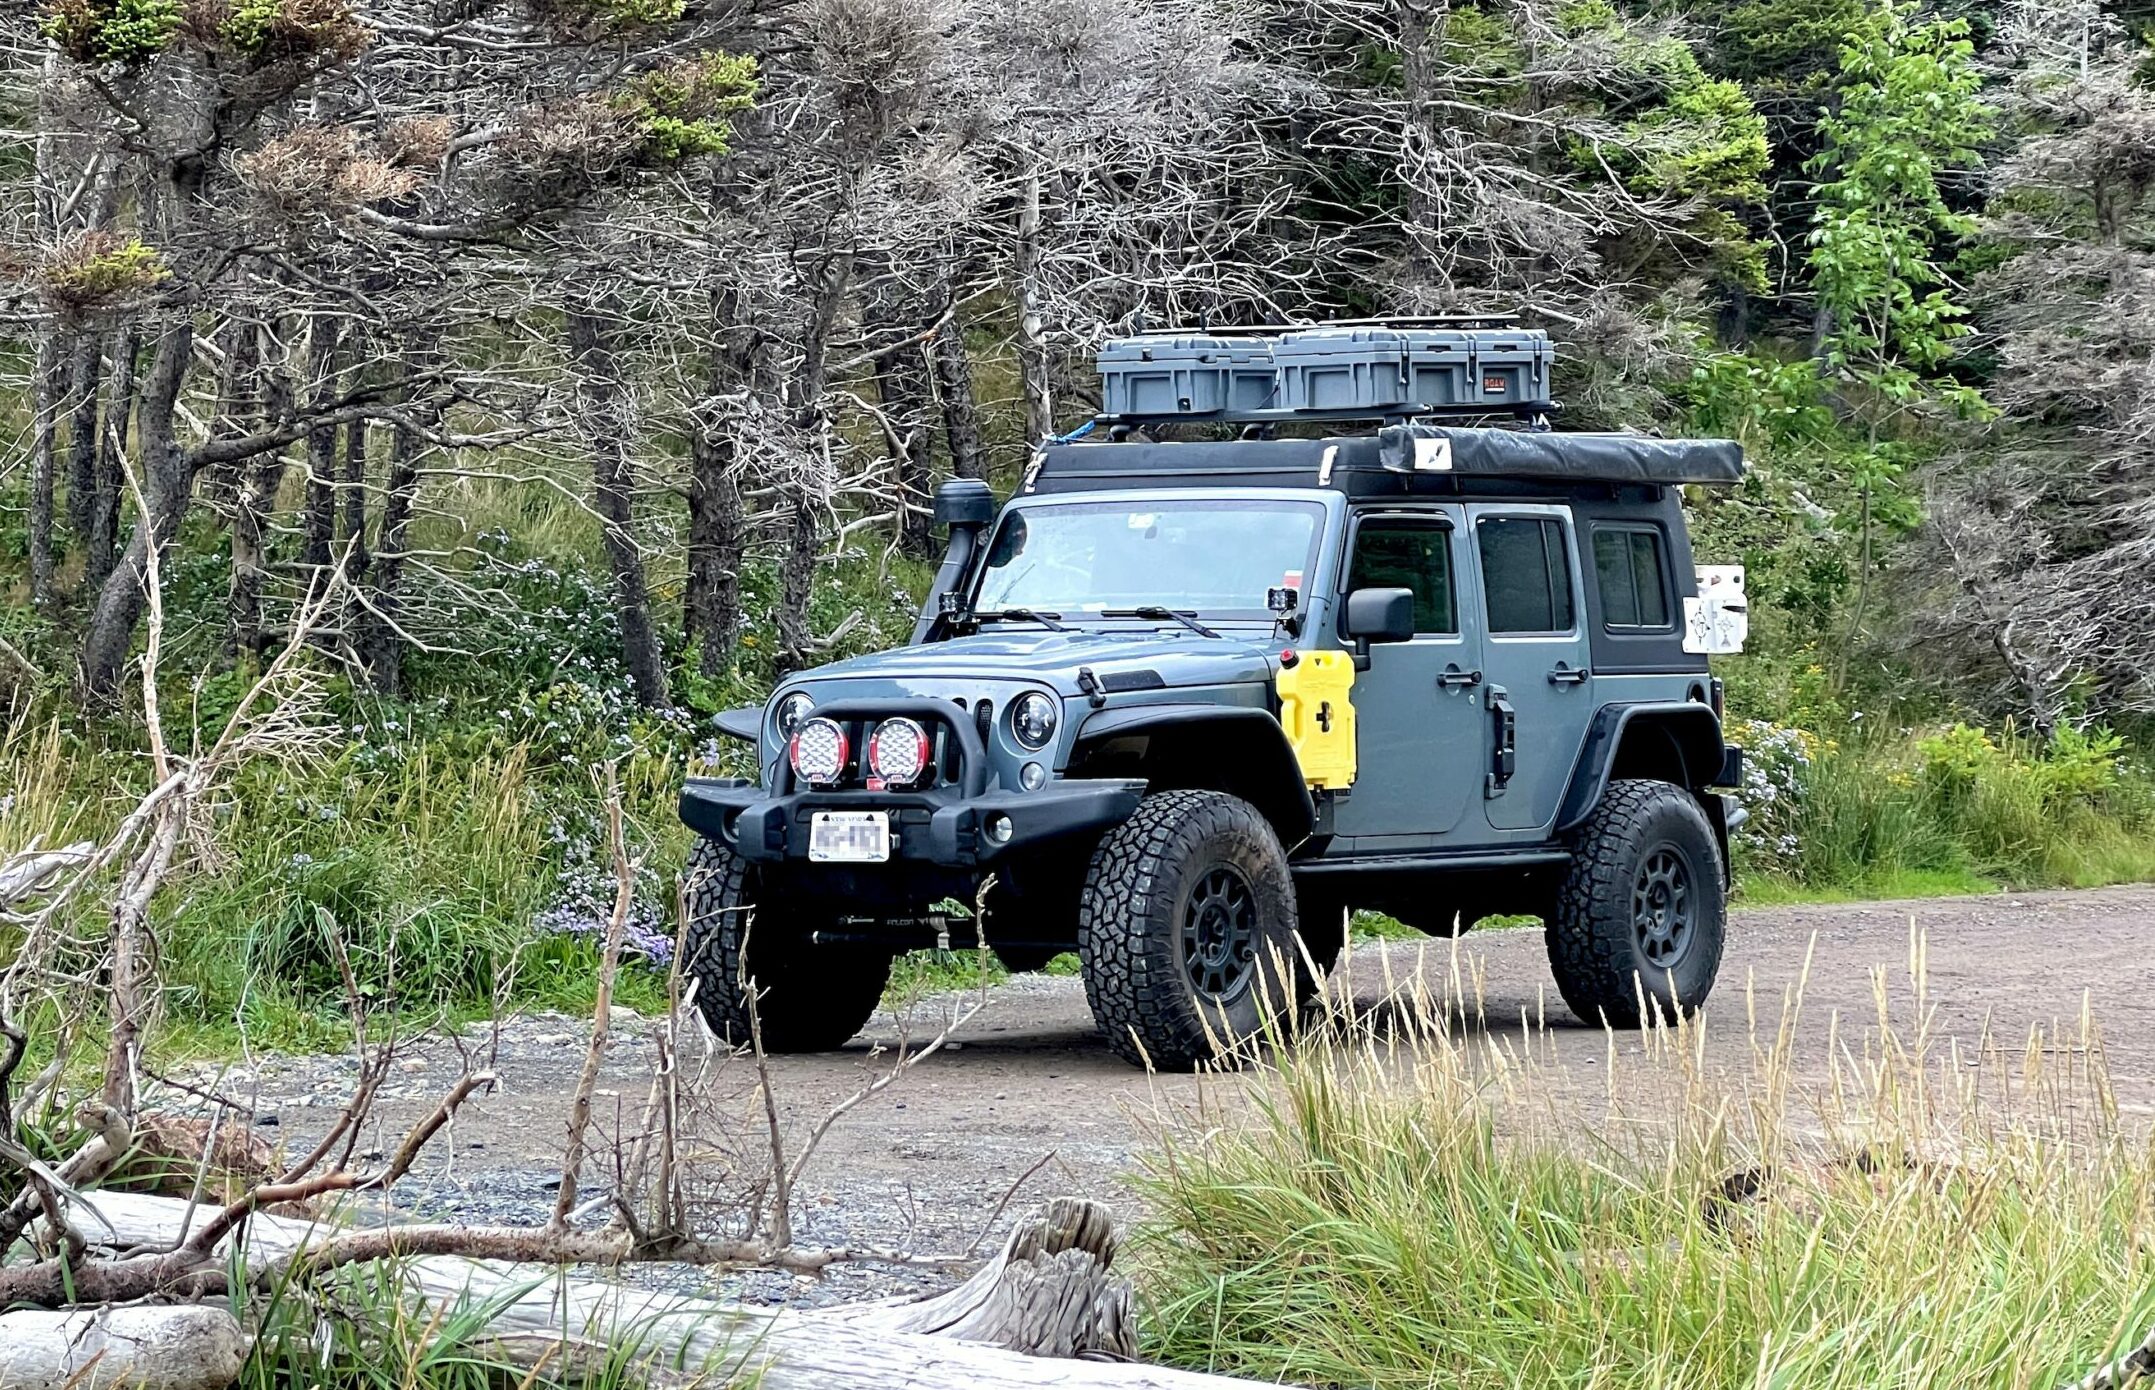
(1019, 615)
(1156, 614)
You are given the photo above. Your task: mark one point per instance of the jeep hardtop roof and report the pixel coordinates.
(1397, 461)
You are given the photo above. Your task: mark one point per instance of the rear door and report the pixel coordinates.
(1538, 695)
(1416, 715)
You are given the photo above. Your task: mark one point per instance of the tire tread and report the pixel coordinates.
(1589, 935)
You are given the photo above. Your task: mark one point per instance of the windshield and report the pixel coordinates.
(1210, 556)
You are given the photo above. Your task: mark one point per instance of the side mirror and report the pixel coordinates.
(1378, 615)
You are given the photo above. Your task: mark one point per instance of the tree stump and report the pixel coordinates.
(1051, 1292)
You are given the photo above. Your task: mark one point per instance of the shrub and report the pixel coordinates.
(1953, 808)
(1775, 760)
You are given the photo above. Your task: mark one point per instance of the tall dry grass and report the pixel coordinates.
(1406, 1197)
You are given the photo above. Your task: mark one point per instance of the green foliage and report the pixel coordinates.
(1783, 45)
(1479, 41)
(686, 108)
(1705, 144)
(126, 32)
(1726, 155)
(249, 23)
(643, 12)
(1909, 111)
(267, 31)
(103, 267)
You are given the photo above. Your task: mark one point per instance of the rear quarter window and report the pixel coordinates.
(1632, 573)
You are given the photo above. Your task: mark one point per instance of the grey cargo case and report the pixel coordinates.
(1336, 372)
(1186, 374)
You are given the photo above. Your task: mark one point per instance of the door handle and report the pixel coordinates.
(1566, 675)
(1453, 676)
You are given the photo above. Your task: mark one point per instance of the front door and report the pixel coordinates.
(1416, 707)
(1538, 696)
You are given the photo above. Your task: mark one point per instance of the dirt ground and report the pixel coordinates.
(1030, 1084)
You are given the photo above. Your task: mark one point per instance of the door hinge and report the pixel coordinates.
(1504, 726)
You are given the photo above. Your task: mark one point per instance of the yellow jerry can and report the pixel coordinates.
(1317, 711)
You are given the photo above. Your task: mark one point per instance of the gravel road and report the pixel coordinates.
(926, 1161)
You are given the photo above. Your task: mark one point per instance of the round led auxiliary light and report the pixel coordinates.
(898, 752)
(819, 752)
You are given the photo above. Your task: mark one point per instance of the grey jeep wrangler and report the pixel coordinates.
(1181, 704)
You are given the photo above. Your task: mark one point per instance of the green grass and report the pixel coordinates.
(1774, 890)
(1952, 810)
(379, 1340)
(1393, 1212)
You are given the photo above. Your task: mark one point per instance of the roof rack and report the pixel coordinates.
(1399, 460)
(1380, 321)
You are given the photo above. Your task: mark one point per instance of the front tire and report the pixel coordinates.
(1186, 930)
(1642, 910)
(742, 954)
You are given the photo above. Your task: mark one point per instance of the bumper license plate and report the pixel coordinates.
(849, 837)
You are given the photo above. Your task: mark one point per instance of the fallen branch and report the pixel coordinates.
(19, 661)
(1053, 1268)
(31, 870)
(190, 1348)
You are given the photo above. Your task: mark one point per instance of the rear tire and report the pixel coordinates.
(807, 998)
(1642, 910)
(1186, 931)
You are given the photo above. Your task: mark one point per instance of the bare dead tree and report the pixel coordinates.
(2038, 534)
(606, 416)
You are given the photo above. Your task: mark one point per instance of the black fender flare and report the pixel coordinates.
(1267, 774)
(1690, 726)
(745, 723)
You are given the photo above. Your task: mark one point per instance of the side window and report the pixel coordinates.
(1633, 580)
(1417, 555)
(1525, 574)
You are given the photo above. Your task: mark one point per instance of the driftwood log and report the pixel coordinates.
(187, 1348)
(1051, 1291)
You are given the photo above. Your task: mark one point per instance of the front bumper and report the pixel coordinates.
(942, 826)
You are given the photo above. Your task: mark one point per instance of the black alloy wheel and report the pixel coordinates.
(1663, 906)
(1220, 934)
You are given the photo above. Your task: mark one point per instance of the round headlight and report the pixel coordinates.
(898, 752)
(1032, 719)
(791, 711)
(819, 753)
